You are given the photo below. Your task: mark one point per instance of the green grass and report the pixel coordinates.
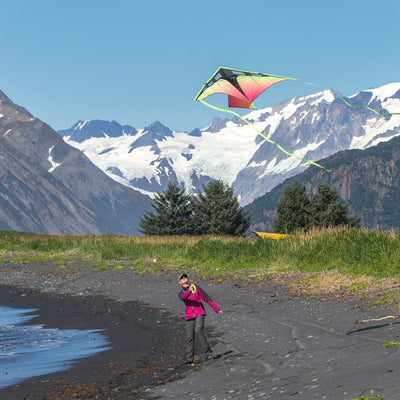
(349, 251)
(390, 344)
(354, 251)
(367, 398)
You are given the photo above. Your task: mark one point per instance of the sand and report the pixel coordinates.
(270, 343)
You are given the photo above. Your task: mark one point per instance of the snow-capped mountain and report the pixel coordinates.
(312, 127)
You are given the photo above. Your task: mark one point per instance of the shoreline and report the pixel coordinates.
(271, 343)
(144, 349)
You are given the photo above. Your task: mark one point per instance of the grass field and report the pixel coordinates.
(354, 259)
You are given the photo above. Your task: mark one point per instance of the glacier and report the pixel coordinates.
(312, 127)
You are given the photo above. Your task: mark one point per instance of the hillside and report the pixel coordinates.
(368, 180)
(48, 186)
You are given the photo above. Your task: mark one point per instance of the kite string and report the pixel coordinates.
(263, 136)
(361, 105)
(347, 103)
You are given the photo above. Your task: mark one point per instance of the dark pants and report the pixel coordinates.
(194, 327)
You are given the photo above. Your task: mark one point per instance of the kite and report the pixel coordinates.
(243, 87)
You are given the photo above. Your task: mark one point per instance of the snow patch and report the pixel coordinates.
(316, 117)
(256, 114)
(282, 167)
(384, 92)
(81, 125)
(376, 130)
(54, 165)
(325, 96)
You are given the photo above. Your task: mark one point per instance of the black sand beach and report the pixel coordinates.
(145, 349)
(270, 343)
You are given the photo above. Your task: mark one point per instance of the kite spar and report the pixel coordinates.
(242, 88)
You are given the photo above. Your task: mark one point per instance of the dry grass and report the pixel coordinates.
(337, 284)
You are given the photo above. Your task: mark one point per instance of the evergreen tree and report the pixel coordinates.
(172, 216)
(217, 211)
(326, 211)
(296, 210)
(292, 209)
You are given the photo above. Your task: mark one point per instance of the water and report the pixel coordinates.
(31, 350)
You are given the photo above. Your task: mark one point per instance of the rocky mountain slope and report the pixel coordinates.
(368, 180)
(48, 186)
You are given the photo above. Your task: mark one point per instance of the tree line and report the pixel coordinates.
(297, 210)
(217, 211)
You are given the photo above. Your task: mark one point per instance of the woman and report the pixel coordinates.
(193, 297)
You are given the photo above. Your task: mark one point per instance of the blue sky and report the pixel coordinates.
(141, 61)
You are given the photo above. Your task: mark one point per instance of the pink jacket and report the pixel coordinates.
(193, 302)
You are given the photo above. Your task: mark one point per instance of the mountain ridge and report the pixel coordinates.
(53, 184)
(367, 180)
(48, 186)
(312, 127)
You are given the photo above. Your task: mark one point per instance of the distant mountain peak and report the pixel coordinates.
(385, 91)
(217, 124)
(157, 130)
(3, 97)
(7, 106)
(195, 132)
(311, 127)
(84, 130)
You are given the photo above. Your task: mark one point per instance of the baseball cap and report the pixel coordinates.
(181, 276)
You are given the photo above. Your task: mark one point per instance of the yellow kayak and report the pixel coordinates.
(269, 235)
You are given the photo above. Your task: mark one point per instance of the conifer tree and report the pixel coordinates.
(296, 210)
(292, 209)
(172, 214)
(326, 211)
(217, 211)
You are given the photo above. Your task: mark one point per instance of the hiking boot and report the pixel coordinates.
(209, 355)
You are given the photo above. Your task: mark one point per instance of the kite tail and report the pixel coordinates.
(361, 105)
(339, 96)
(263, 136)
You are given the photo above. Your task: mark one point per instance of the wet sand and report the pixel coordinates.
(270, 344)
(145, 349)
